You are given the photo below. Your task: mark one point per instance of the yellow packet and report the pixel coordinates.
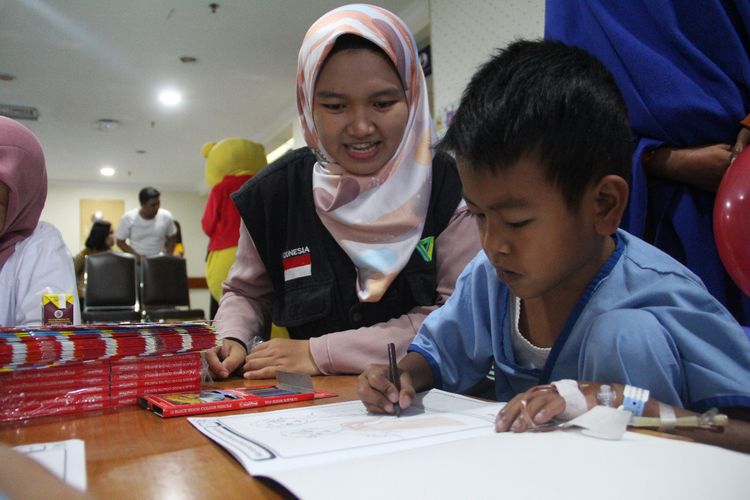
(57, 309)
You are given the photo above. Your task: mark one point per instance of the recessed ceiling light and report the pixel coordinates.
(170, 97)
(107, 124)
(107, 171)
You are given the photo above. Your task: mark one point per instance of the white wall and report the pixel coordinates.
(464, 34)
(62, 210)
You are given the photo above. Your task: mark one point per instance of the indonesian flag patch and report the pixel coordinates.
(296, 263)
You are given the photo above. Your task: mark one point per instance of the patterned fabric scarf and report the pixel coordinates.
(377, 219)
(23, 171)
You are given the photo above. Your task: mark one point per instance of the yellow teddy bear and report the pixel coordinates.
(229, 164)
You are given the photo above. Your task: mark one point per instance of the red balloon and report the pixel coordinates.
(732, 220)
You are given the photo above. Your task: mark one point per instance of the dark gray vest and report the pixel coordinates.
(277, 207)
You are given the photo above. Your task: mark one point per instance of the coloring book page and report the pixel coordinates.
(283, 439)
(339, 451)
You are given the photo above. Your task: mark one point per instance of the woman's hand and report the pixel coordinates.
(286, 355)
(225, 359)
(743, 139)
(702, 166)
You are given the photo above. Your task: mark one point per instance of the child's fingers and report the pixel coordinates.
(529, 409)
(507, 415)
(375, 390)
(407, 394)
(546, 407)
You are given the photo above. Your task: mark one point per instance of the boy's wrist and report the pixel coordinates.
(419, 370)
(590, 390)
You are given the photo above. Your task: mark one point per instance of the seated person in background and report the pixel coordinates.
(349, 243)
(149, 230)
(33, 258)
(543, 148)
(100, 239)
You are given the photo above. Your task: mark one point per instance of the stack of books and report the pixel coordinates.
(134, 377)
(67, 369)
(64, 389)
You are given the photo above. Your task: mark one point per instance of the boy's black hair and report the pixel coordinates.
(98, 235)
(554, 102)
(148, 193)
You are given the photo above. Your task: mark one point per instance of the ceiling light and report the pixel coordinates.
(107, 171)
(170, 97)
(107, 124)
(19, 112)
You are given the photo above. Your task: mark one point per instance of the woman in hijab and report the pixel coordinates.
(100, 239)
(33, 258)
(350, 242)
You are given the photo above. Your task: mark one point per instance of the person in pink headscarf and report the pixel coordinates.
(350, 242)
(33, 258)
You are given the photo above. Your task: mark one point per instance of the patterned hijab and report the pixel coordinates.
(23, 171)
(377, 219)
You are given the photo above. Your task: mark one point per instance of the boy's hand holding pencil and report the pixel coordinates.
(386, 388)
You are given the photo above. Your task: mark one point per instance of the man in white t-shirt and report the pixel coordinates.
(148, 230)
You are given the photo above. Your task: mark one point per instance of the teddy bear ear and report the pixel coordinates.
(207, 147)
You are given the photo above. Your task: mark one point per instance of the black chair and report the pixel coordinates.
(111, 288)
(164, 290)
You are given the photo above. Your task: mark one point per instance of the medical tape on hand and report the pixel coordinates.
(575, 401)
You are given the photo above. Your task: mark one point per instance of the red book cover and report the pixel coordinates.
(214, 400)
(120, 392)
(148, 383)
(59, 395)
(74, 382)
(44, 410)
(46, 374)
(152, 363)
(191, 371)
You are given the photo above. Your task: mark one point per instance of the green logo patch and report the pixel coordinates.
(425, 248)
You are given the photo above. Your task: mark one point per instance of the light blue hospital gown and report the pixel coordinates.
(644, 320)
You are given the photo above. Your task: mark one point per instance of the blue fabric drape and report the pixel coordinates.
(684, 70)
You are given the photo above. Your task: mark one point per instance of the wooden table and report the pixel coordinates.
(132, 453)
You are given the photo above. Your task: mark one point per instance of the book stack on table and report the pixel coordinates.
(68, 369)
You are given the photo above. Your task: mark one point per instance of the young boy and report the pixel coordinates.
(543, 147)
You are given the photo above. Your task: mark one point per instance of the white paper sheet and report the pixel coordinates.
(302, 437)
(65, 459)
(447, 448)
(560, 465)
